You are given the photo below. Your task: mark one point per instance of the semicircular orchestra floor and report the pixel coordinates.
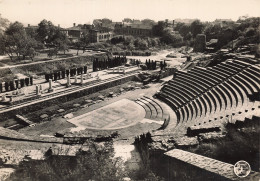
(118, 115)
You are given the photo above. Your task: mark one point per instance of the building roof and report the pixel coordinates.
(76, 28)
(139, 26)
(31, 27)
(101, 29)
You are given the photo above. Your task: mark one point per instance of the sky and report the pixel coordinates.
(67, 12)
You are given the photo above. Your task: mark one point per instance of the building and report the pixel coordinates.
(95, 33)
(30, 28)
(100, 34)
(133, 29)
(223, 22)
(76, 32)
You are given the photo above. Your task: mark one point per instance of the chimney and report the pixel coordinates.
(74, 24)
(58, 25)
(29, 25)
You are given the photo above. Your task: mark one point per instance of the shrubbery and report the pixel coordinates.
(97, 163)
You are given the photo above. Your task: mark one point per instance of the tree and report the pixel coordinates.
(137, 41)
(250, 32)
(131, 46)
(188, 36)
(46, 31)
(158, 29)
(32, 33)
(148, 22)
(97, 163)
(143, 44)
(52, 52)
(31, 53)
(117, 40)
(30, 47)
(77, 45)
(15, 38)
(171, 37)
(84, 41)
(3, 24)
(129, 40)
(59, 40)
(16, 41)
(127, 20)
(183, 29)
(2, 44)
(155, 42)
(196, 28)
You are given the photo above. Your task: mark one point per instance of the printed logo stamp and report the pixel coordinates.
(242, 169)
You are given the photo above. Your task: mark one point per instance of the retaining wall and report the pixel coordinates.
(190, 166)
(65, 97)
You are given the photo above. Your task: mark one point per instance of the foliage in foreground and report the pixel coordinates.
(98, 163)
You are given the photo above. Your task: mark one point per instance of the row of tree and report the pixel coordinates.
(151, 65)
(61, 74)
(108, 63)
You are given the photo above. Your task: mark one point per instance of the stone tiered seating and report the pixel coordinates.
(184, 88)
(242, 85)
(225, 71)
(213, 95)
(253, 83)
(148, 112)
(153, 109)
(229, 68)
(162, 113)
(200, 84)
(209, 73)
(235, 95)
(219, 72)
(245, 82)
(208, 81)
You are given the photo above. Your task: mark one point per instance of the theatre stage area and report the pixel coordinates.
(118, 115)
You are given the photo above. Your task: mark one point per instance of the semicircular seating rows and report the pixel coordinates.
(203, 96)
(153, 109)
